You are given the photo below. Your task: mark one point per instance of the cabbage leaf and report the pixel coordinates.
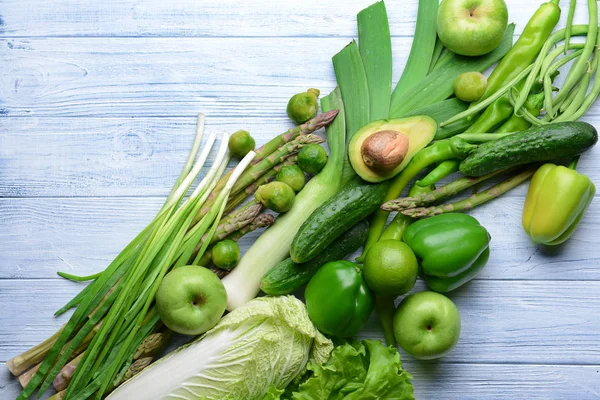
(264, 344)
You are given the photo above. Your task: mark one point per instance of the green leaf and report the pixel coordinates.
(438, 85)
(375, 45)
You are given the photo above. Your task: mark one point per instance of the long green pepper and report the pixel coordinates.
(526, 48)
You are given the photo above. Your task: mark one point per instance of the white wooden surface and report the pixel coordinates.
(97, 105)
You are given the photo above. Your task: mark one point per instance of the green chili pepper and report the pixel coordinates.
(396, 228)
(444, 169)
(453, 148)
(338, 300)
(555, 204)
(452, 249)
(526, 48)
(534, 105)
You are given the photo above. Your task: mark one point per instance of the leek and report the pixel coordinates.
(375, 46)
(437, 86)
(422, 49)
(243, 283)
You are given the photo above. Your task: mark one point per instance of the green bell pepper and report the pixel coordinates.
(338, 300)
(452, 249)
(556, 201)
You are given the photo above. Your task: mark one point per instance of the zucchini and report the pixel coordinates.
(562, 140)
(352, 203)
(288, 276)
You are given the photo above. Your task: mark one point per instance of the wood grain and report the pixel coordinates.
(216, 18)
(97, 112)
(39, 237)
(545, 322)
(450, 381)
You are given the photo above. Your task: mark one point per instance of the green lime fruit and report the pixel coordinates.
(226, 254)
(293, 176)
(303, 106)
(470, 86)
(241, 143)
(427, 325)
(312, 158)
(390, 268)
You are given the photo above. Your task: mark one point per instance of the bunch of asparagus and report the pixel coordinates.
(56, 360)
(420, 205)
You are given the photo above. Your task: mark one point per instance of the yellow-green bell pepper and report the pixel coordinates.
(556, 201)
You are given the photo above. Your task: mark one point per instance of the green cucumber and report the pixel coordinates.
(354, 202)
(562, 140)
(288, 276)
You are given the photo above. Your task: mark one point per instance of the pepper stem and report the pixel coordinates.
(573, 163)
(385, 307)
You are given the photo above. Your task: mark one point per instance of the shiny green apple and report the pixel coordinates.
(472, 27)
(427, 325)
(191, 300)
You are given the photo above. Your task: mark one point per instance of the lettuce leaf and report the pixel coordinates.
(356, 370)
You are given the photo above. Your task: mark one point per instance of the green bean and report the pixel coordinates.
(551, 56)
(555, 67)
(579, 67)
(576, 30)
(572, 5)
(577, 98)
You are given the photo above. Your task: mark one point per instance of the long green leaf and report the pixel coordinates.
(421, 51)
(437, 86)
(440, 112)
(352, 81)
(375, 46)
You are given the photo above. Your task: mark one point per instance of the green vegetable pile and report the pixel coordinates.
(184, 270)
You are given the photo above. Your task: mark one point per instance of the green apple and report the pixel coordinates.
(472, 27)
(191, 300)
(427, 325)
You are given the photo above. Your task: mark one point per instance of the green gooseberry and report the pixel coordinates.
(312, 158)
(277, 196)
(226, 254)
(303, 106)
(293, 176)
(470, 86)
(241, 143)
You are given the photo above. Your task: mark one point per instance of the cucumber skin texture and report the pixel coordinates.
(288, 276)
(352, 203)
(550, 142)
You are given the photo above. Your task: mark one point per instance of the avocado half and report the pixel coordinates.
(420, 130)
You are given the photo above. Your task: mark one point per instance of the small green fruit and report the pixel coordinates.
(241, 143)
(470, 86)
(226, 254)
(427, 325)
(312, 159)
(390, 268)
(293, 176)
(277, 196)
(303, 106)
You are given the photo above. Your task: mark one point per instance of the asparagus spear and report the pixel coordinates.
(62, 379)
(21, 363)
(318, 122)
(266, 163)
(474, 200)
(448, 190)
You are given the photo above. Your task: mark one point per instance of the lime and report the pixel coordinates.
(390, 268)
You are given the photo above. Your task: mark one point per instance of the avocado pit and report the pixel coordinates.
(384, 150)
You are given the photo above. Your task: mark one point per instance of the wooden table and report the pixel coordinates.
(97, 113)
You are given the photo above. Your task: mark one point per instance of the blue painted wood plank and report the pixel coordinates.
(212, 18)
(39, 237)
(520, 322)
